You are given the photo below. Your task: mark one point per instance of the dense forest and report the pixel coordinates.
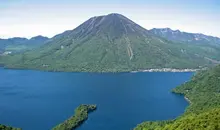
(203, 92)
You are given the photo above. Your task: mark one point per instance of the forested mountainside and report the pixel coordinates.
(112, 43)
(203, 93)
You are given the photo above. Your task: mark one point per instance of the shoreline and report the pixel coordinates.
(167, 70)
(136, 71)
(187, 99)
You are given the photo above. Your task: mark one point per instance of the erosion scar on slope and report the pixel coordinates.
(130, 53)
(212, 60)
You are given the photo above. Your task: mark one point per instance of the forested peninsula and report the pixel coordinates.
(81, 114)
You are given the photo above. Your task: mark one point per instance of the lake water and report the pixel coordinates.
(36, 100)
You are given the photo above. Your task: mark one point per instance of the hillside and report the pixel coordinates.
(203, 91)
(112, 43)
(17, 44)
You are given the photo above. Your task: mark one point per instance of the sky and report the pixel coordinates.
(28, 18)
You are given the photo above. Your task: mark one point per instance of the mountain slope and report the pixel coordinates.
(18, 44)
(203, 92)
(111, 43)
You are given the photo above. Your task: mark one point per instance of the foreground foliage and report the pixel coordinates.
(81, 114)
(3, 127)
(203, 91)
(208, 120)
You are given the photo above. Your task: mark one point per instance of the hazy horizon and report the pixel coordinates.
(28, 18)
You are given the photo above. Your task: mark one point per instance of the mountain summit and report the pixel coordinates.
(112, 26)
(110, 43)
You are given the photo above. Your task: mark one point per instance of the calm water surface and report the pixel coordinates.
(35, 100)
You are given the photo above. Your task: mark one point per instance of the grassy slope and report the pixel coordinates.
(204, 111)
(81, 114)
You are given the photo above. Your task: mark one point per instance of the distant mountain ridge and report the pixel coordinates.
(19, 44)
(179, 36)
(19, 40)
(113, 43)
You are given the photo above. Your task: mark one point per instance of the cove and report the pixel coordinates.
(36, 100)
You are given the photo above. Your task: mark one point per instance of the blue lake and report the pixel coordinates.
(36, 100)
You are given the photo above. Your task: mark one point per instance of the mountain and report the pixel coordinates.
(18, 44)
(177, 35)
(112, 43)
(203, 113)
